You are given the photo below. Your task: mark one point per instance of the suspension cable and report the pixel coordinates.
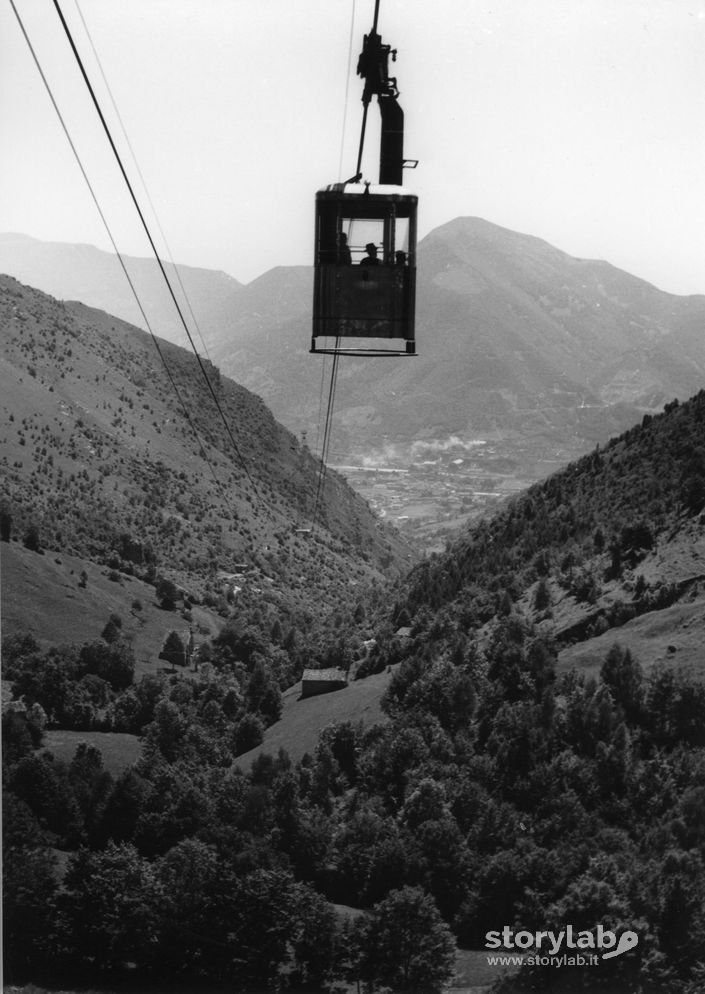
(141, 177)
(334, 368)
(326, 437)
(121, 260)
(347, 93)
(145, 226)
(336, 356)
(366, 104)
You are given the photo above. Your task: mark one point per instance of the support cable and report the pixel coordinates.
(117, 252)
(334, 369)
(317, 447)
(326, 438)
(141, 177)
(347, 93)
(145, 226)
(336, 356)
(366, 103)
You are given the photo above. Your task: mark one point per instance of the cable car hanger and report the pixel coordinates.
(365, 235)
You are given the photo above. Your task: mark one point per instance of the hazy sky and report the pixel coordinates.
(579, 121)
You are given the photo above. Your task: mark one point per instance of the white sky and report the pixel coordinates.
(579, 121)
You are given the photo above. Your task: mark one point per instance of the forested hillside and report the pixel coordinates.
(502, 790)
(517, 340)
(115, 449)
(579, 549)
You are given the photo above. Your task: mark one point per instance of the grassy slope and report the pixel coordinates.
(674, 636)
(648, 482)
(95, 444)
(40, 594)
(118, 749)
(302, 720)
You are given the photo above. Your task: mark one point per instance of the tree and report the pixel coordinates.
(43, 784)
(369, 856)
(446, 691)
(19, 736)
(113, 629)
(5, 525)
(109, 907)
(187, 915)
(92, 785)
(343, 739)
(263, 694)
(95, 689)
(623, 675)
(167, 594)
(20, 827)
(28, 905)
(260, 916)
(249, 732)
(16, 648)
(169, 730)
(681, 928)
(542, 595)
(123, 807)
(404, 944)
(242, 643)
(173, 650)
(314, 939)
(427, 802)
(114, 663)
(31, 539)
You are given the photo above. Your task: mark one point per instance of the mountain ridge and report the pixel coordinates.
(516, 338)
(101, 458)
(84, 273)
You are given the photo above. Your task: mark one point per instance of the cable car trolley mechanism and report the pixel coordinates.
(365, 252)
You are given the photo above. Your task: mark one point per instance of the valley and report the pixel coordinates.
(508, 567)
(430, 501)
(431, 489)
(537, 354)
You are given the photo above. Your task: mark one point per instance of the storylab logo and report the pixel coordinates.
(566, 947)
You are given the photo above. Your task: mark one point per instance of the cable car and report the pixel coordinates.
(365, 268)
(365, 237)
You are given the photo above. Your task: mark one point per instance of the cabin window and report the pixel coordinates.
(364, 283)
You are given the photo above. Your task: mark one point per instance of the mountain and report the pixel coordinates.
(501, 786)
(515, 339)
(96, 278)
(114, 451)
(518, 342)
(610, 549)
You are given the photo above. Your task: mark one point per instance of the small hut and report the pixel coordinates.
(322, 681)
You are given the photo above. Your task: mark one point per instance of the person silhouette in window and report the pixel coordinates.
(371, 258)
(344, 257)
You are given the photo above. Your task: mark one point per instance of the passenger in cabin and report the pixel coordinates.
(371, 258)
(400, 258)
(344, 257)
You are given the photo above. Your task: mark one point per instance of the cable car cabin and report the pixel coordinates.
(364, 289)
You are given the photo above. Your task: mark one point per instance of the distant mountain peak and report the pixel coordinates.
(476, 231)
(83, 272)
(514, 336)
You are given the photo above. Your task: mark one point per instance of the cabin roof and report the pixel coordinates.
(368, 189)
(332, 675)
